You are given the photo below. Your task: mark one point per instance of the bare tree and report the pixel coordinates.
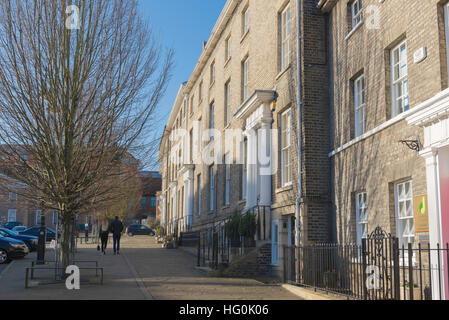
(78, 88)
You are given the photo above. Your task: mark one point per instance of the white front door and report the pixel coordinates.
(275, 243)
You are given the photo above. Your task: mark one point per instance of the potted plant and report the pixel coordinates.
(247, 229)
(232, 229)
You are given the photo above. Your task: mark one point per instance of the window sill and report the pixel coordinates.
(285, 188)
(226, 207)
(376, 130)
(244, 36)
(280, 74)
(357, 27)
(227, 62)
(242, 202)
(210, 213)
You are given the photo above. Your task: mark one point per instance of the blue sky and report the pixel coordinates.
(182, 25)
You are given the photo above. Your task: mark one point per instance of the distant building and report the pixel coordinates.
(151, 184)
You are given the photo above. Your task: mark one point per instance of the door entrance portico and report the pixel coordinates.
(433, 116)
(256, 112)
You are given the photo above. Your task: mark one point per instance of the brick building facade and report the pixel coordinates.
(247, 79)
(389, 73)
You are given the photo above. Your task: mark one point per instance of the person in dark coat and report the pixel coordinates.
(116, 229)
(104, 234)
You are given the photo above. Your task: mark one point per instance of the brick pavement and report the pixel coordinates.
(144, 270)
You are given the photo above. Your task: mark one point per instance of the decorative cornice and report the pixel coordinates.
(255, 100)
(326, 5)
(431, 111)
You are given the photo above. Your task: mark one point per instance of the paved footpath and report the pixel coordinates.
(144, 270)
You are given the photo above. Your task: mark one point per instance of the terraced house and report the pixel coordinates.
(389, 107)
(262, 72)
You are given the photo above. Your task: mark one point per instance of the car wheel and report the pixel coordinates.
(3, 256)
(130, 234)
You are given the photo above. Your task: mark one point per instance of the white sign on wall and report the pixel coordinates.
(420, 55)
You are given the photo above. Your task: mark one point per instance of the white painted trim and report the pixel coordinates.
(431, 110)
(357, 27)
(419, 115)
(372, 132)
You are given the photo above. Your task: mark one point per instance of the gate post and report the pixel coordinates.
(364, 255)
(396, 276)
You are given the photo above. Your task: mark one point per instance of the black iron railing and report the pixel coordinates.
(378, 269)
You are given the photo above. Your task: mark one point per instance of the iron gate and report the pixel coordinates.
(378, 269)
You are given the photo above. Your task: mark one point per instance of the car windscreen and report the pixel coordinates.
(9, 232)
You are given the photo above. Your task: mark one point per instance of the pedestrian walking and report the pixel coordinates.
(104, 234)
(86, 232)
(116, 229)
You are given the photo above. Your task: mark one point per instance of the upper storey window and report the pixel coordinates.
(228, 48)
(245, 21)
(245, 78)
(359, 105)
(399, 79)
(285, 37)
(356, 13)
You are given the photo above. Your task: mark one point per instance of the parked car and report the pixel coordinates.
(18, 229)
(11, 249)
(30, 241)
(34, 231)
(136, 230)
(10, 225)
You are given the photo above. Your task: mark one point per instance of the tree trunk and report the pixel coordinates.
(66, 236)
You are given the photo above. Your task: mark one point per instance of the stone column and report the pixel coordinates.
(265, 163)
(433, 196)
(251, 172)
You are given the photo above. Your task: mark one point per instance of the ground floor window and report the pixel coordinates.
(12, 215)
(405, 225)
(361, 214)
(275, 243)
(38, 216)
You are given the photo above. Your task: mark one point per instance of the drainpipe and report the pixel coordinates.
(299, 126)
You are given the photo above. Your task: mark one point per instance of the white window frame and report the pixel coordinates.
(285, 37)
(228, 48)
(399, 81)
(402, 199)
(13, 196)
(212, 72)
(12, 213)
(212, 120)
(275, 243)
(227, 179)
(359, 106)
(38, 215)
(211, 188)
(191, 103)
(356, 13)
(286, 146)
(361, 214)
(200, 138)
(199, 193)
(54, 219)
(245, 78)
(227, 103)
(244, 167)
(245, 21)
